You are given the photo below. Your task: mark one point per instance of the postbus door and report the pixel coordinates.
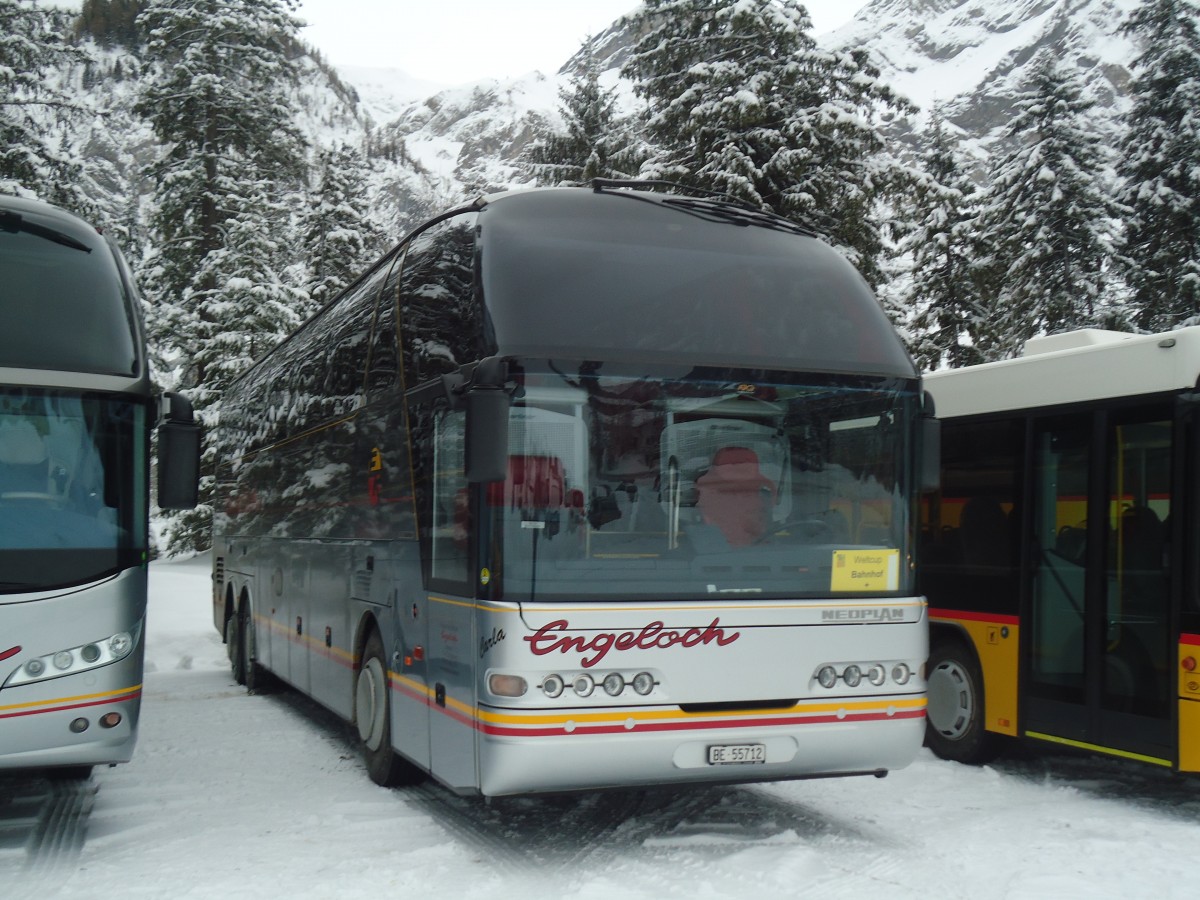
(1098, 654)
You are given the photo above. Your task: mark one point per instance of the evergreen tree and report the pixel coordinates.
(30, 161)
(1160, 165)
(597, 143)
(216, 99)
(741, 101)
(1048, 218)
(111, 22)
(340, 238)
(944, 292)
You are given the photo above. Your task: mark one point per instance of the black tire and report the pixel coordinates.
(955, 715)
(373, 719)
(240, 637)
(252, 673)
(233, 646)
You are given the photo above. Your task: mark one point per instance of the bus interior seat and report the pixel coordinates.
(24, 464)
(533, 483)
(1071, 543)
(735, 496)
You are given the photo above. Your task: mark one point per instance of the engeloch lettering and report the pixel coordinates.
(655, 636)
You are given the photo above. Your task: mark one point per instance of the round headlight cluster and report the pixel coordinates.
(75, 659)
(853, 674)
(613, 684)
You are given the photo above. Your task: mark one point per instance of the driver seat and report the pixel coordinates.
(735, 496)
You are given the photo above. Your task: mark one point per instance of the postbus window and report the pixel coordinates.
(1138, 612)
(969, 528)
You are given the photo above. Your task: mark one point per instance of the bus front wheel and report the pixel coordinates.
(955, 715)
(372, 717)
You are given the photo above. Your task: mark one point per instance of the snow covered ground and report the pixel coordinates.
(233, 796)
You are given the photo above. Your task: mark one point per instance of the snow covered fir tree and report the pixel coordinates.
(248, 181)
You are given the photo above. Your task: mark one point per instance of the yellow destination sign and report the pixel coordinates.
(865, 570)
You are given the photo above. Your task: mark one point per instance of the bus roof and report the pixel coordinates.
(616, 274)
(1075, 367)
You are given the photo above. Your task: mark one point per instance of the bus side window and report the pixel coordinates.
(441, 317)
(449, 546)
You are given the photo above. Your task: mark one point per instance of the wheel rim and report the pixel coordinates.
(371, 699)
(951, 700)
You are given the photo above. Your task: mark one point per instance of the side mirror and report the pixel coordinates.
(487, 423)
(178, 454)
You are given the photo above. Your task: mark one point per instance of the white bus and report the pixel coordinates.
(1059, 567)
(586, 488)
(76, 413)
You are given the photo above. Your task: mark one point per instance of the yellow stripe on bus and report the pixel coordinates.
(81, 698)
(1124, 754)
(541, 717)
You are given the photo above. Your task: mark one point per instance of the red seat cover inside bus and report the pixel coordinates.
(735, 496)
(534, 482)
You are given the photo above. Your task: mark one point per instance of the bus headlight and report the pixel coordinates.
(852, 675)
(827, 676)
(613, 683)
(901, 673)
(552, 686)
(584, 685)
(120, 644)
(643, 683)
(73, 660)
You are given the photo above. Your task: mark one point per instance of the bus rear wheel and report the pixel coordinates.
(955, 715)
(240, 637)
(373, 718)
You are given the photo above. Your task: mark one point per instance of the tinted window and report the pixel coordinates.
(605, 276)
(64, 307)
(441, 318)
(970, 547)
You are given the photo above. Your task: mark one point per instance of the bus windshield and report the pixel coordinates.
(72, 487)
(705, 483)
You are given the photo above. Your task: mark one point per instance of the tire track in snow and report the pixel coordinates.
(43, 826)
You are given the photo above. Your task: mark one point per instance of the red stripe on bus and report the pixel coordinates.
(509, 731)
(123, 698)
(994, 618)
(7, 653)
(619, 727)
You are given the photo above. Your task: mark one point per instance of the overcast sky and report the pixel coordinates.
(455, 41)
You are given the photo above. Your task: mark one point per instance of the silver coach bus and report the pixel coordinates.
(581, 488)
(76, 412)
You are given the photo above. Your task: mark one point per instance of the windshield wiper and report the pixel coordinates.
(15, 223)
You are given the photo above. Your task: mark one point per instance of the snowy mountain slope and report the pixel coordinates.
(971, 56)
